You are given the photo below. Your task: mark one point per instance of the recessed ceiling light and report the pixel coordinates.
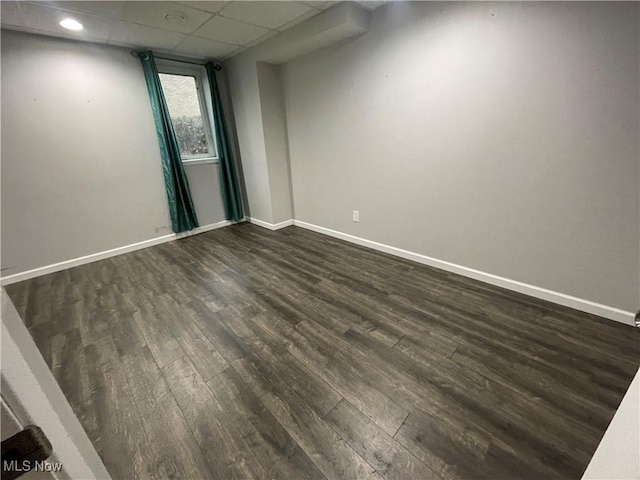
(174, 17)
(71, 24)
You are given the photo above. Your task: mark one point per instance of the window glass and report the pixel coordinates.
(186, 114)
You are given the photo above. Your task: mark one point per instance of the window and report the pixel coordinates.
(188, 100)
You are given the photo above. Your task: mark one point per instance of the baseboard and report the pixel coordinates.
(75, 262)
(270, 226)
(583, 305)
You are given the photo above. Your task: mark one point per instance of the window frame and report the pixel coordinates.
(204, 100)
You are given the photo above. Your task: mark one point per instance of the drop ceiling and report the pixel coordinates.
(197, 29)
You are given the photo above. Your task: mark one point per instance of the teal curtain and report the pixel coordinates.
(183, 215)
(229, 184)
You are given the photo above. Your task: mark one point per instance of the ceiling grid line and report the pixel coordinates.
(195, 29)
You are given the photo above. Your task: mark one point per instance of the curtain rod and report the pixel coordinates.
(217, 66)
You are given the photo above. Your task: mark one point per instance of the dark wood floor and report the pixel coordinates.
(245, 353)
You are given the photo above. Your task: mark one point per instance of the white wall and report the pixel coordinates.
(81, 169)
(618, 454)
(502, 137)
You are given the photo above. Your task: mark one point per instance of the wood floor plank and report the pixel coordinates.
(390, 459)
(111, 418)
(530, 382)
(127, 334)
(212, 328)
(336, 313)
(88, 317)
(531, 426)
(332, 307)
(163, 345)
(19, 295)
(69, 366)
(270, 442)
(269, 346)
(333, 457)
(247, 353)
(176, 452)
(512, 346)
(226, 451)
(450, 287)
(316, 356)
(42, 334)
(412, 394)
(441, 448)
(39, 299)
(201, 352)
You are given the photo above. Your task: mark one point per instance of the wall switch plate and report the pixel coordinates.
(356, 216)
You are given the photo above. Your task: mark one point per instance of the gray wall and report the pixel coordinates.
(258, 104)
(243, 83)
(503, 137)
(276, 146)
(81, 168)
(255, 90)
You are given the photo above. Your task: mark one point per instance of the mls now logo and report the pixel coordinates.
(27, 466)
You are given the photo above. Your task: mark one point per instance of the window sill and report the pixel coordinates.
(199, 161)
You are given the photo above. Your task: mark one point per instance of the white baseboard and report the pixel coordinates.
(74, 262)
(286, 223)
(588, 306)
(270, 226)
(583, 305)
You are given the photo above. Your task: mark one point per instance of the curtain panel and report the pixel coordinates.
(229, 183)
(181, 210)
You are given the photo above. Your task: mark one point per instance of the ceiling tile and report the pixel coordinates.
(131, 34)
(153, 14)
(322, 5)
(270, 34)
(211, 7)
(47, 20)
(265, 13)
(231, 31)
(235, 52)
(11, 14)
(204, 48)
(300, 19)
(370, 4)
(108, 9)
(143, 24)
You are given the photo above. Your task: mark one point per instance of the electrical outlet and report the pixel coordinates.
(356, 216)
